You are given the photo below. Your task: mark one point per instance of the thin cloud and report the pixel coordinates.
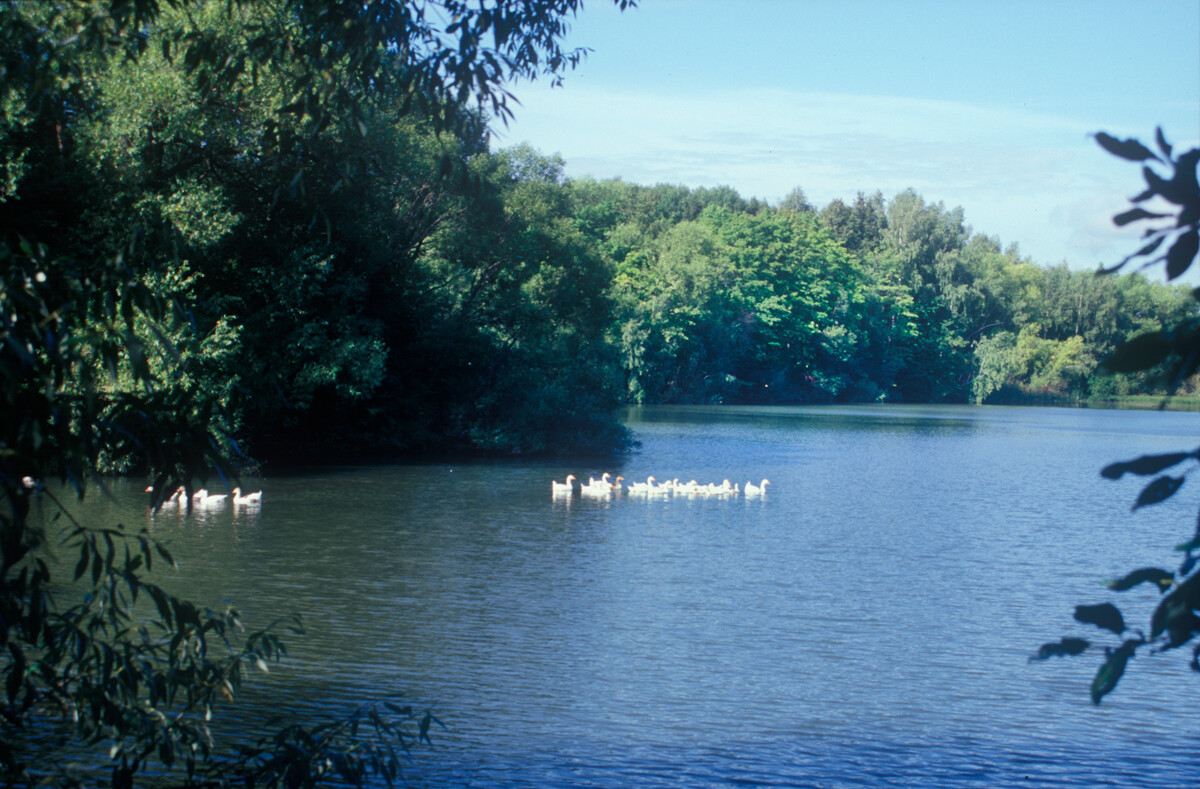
(1024, 176)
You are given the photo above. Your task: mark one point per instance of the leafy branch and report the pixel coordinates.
(1174, 621)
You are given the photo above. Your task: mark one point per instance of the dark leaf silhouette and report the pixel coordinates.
(1110, 673)
(1105, 615)
(1175, 609)
(1188, 563)
(1129, 149)
(1068, 646)
(1159, 490)
(1181, 254)
(1152, 575)
(1163, 145)
(1145, 465)
(1141, 353)
(1149, 248)
(1182, 189)
(1135, 214)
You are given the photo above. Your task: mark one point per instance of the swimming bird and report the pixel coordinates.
(249, 498)
(173, 500)
(757, 490)
(663, 489)
(563, 488)
(724, 489)
(642, 487)
(598, 487)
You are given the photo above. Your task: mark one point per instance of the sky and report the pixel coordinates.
(990, 106)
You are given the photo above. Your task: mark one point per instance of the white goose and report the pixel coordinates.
(563, 488)
(757, 490)
(724, 489)
(173, 500)
(249, 498)
(664, 489)
(212, 499)
(597, 487)
(642, 487)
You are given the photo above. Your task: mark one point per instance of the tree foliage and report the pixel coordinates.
(721, 301)
(211, 213)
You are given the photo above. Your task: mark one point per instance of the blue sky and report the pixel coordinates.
(984, 105)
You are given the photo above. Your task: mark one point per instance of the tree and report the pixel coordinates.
(919, 251)
(1174, 621)
(95, 316)
(796, 202)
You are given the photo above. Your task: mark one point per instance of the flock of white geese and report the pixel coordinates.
(603, 488)
(202, 498)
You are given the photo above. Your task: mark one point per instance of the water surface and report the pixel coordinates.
(867, 623)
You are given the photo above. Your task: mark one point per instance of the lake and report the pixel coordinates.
(868, 622)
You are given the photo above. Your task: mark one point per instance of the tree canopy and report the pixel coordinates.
(217, 219)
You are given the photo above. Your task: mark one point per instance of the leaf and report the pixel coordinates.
(1160, 578)
(1135, 214)
(16, 672)
(1181, 254)
(1190, 545)
(1109, 675)
(163, 604)
(1140, 353)
(1157, 491)
(1188, 563)
(1163, 145)
(1145, 465)
(1146, 250)
(1105, 615)
(1068, 646)
(1178, 603)
(84, 559)
(1129, 149)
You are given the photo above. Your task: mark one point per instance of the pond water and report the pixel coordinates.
(868, 622)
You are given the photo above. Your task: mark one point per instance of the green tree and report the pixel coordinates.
(519, 293)
(801, 298)
(139, 140)
(919, 252)
(680, 336)
(796, 202)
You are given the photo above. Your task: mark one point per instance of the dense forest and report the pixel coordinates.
(408, 288)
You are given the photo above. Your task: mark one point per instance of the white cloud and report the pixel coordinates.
(1026, 177)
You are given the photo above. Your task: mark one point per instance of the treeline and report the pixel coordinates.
(404, 289)
(719, 299)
